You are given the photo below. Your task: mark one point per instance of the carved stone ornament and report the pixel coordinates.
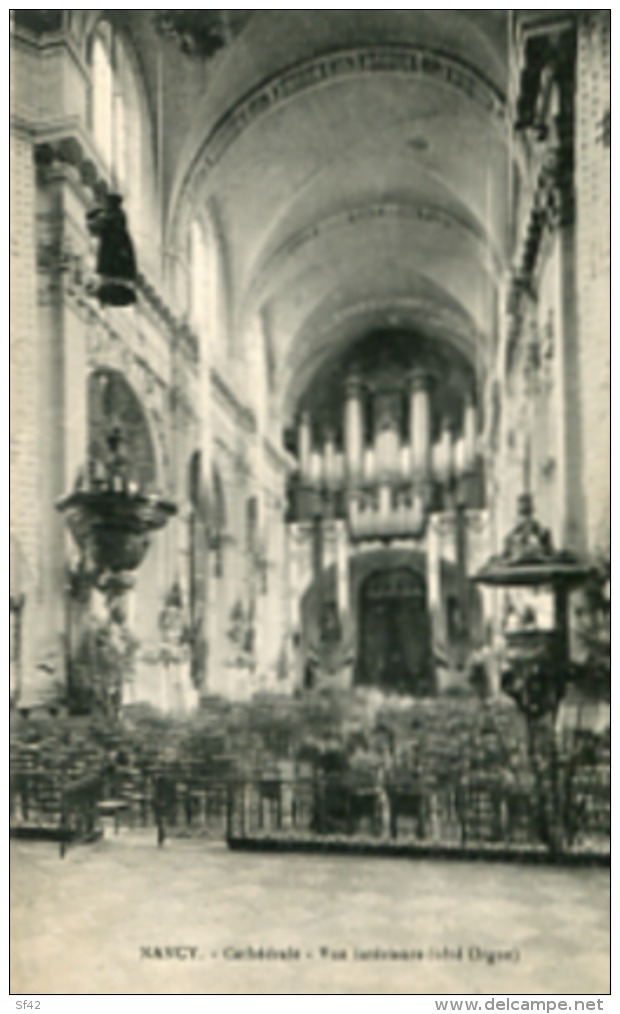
(529, 558)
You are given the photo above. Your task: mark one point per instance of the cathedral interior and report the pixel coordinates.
(302, 303)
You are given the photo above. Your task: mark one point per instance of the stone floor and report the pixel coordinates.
(80, 924)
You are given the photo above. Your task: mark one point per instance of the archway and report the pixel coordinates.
(394, 633)
(112, 403)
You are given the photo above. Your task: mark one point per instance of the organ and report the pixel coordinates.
(410, 463)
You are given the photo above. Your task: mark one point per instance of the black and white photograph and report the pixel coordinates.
(310, 452)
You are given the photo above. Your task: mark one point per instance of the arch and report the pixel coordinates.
(102, 89)
(120, 117)
(138, 173)
(76, 22)
(106, 353)
(198, 272)
(324, 337)
(112, 402)
(316, 72)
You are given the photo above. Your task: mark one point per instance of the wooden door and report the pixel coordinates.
(394, 633)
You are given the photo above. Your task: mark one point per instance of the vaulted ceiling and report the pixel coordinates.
(356, 163)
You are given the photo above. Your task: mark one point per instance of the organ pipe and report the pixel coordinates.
(447, 454)
(387, 410)
(316, 468)
(329, 459)
(420, 423)
(353, 428)
(469, 435)
(304, 445)
(369, 464)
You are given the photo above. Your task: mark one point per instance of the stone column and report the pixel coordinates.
(329, 458)
(369, 465)
(469, 435)
(353, 428)
(317, 561)
(304, 446)
(342, 568)
(447, 454)
(433, 586)
(461, 548)
(420, 423)
(572, 465)
(293, 578)
(316, 468)
(459, 457)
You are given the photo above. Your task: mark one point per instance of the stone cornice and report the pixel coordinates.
(46, 42)
(321, 70)
(66, 143)
(21, 127)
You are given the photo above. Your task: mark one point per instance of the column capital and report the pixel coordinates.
(420, 379)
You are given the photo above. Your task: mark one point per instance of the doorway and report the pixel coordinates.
(395, 651)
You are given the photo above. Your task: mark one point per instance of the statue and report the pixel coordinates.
(529, 541)
(116, 262)
(331, 651)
